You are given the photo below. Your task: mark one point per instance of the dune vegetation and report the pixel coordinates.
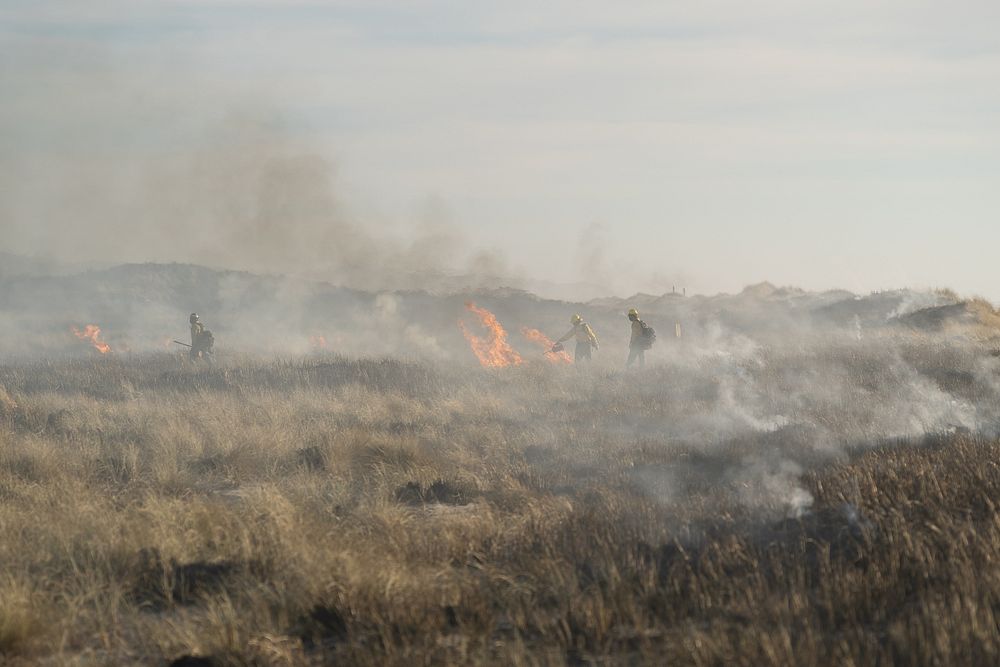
(826, 503)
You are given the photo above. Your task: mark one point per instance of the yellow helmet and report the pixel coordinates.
(576, 319)
(632, 312)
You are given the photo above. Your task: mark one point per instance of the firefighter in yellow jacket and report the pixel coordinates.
(638, 344)
(586, 340)
(201, 338)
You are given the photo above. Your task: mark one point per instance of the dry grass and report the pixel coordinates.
(380, 512)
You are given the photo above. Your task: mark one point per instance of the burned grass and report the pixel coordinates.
(718, 510)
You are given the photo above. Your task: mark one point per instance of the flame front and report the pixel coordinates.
(92, 334)
(318, 342)
(536, 336)
(492, 350)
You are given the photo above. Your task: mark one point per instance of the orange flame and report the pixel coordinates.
(536, 336)
(318, 342)
(92, 333)
(493, 351)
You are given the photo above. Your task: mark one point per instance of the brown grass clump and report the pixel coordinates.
(811, 506)
(20, 620)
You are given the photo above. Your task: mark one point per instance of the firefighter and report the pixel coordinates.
(586, 340)
(201, 338)
(639, 342)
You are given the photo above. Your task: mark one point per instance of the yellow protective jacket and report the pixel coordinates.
(583, 334)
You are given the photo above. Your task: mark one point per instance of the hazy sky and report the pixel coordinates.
(636, 145)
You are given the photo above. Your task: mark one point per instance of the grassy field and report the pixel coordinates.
(829, 503)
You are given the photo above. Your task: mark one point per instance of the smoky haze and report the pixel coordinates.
(760, 386)
(247, 195)
(106, 161)
(325, 139)
(133, 138)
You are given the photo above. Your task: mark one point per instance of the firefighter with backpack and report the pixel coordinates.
(642, 339)
(202, 339)
(586, 339)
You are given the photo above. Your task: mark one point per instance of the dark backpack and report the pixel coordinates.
(206, 341)
(648, 335)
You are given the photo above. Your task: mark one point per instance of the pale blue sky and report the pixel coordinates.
(710, 144)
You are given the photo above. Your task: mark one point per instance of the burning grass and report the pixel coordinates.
(491, 348)
(548, 347)
(718, 510)
(91, 333)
